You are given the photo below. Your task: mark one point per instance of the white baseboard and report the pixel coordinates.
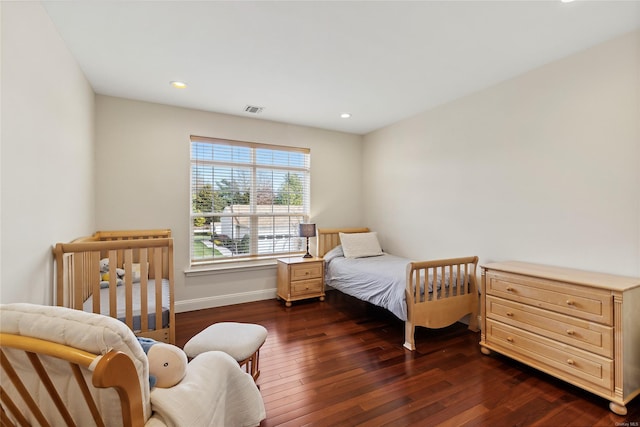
(222, 300)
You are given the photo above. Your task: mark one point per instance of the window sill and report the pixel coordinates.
(231, 267)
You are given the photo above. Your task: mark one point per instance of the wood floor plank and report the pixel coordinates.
(341, 363)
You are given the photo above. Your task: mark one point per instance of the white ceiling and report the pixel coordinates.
(306, 62)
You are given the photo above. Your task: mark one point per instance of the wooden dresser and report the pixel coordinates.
(582, 327)
(300, 278)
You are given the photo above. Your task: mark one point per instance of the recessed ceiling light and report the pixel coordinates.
(179, 85)
(345, 115)
(566, 1)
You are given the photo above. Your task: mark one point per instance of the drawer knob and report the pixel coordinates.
(571, 332)
(510, 339)
(571, 302)
(509, 289)
(510, 314)
(571, 362)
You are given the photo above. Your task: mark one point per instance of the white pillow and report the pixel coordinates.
(359, 245)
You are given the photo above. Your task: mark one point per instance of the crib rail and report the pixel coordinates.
(25, 401)
(78, 277)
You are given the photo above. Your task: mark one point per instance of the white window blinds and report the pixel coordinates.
(247, 199)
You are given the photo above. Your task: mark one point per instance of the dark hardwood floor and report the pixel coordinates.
(341, 363)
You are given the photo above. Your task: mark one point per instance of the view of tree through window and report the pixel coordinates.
(247, 199)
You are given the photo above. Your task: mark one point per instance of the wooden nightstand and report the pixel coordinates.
(300, 278)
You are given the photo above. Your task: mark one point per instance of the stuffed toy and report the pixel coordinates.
(104, 274)
(167, 363)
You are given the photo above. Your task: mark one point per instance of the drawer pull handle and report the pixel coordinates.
(571, 332)
(510, 339)
(510, 314)
(571, 362)
(571, 302)
(509, 289)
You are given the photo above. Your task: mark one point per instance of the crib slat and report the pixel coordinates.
(172, 311)
(128, 287)
(94, 284)
(113, 276)
(158, 283)
(144, 282)
(77, 282)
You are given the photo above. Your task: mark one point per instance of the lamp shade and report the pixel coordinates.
(307, 230)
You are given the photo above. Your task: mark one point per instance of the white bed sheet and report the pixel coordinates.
(380, 280)
(121, 304)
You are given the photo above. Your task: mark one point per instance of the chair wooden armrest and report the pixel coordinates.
(19, 403)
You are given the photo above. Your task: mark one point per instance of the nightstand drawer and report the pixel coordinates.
(580, 333)
(577, 301)
(302, 287)
(306, 271)
(558, 359)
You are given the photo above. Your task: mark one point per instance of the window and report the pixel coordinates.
(247, 199)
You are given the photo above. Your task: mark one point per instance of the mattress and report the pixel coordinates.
(121, 304)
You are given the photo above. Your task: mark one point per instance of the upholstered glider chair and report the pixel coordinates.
(66, 367)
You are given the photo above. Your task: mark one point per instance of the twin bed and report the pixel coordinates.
(433, 294)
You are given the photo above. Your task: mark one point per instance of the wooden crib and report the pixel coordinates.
(454, 294)
(145, 257)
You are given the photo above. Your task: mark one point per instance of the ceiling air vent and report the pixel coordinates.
(253, 109)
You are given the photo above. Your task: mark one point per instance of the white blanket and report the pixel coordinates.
(228, 397)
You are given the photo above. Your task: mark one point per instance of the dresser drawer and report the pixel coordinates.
(302, 287)
(577, 301)
(563, 361)
(306, 271)
(580, 333)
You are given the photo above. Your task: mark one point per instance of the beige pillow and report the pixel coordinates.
(359, 245)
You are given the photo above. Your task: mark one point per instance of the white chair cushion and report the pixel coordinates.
(238, 340)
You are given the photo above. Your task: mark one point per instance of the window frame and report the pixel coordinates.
(254, 168)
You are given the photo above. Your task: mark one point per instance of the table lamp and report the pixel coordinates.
(307, 230)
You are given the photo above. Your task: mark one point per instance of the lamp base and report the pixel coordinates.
(307, 255)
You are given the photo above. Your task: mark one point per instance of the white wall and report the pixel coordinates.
(47, 155)
(542, 168)
(143, 182)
